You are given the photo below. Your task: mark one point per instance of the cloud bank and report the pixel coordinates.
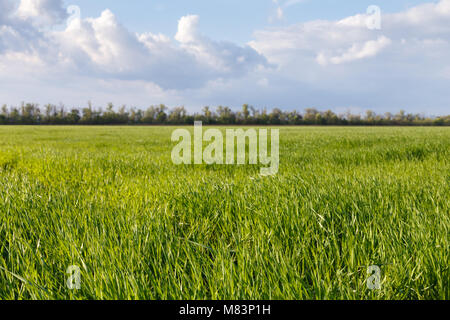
(327, 64)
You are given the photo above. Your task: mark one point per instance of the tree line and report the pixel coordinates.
(32, 114)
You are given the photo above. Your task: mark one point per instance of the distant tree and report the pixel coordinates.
(122, 115)
(225, 115)
(161, 114)
(263, 117)
(73, 117)
(149, 115)
(370, 116)
(29, 113)
(4, 115)
(177, 115)
(208, 115)
(276, 116)
(330, 117)
(88, 116)
(354, 119)
(135, 116)
(14, 116)
(387, 118)
(294, 118)
(245, 113)
(320, 119)
(400, 117)
(310, 115)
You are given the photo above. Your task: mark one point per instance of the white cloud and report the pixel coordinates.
(223, 58)
(103, 48)
(42, 12)
(280, 13)
(264, 82)
(358, 51)
(349, 39)
(282, 5)
(343, 62)
(5, 11)
(187, 29)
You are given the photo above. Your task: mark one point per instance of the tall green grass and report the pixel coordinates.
(109, 200)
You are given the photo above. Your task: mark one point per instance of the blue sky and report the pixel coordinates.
(231, 20)
(289, 54)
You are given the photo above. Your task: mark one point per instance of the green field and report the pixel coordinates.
(109, 200)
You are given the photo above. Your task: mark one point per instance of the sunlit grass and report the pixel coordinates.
(109, 200)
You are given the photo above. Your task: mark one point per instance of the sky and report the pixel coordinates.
(230, 20)
(351, 55)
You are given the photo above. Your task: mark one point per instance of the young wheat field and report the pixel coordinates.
(110, 201)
